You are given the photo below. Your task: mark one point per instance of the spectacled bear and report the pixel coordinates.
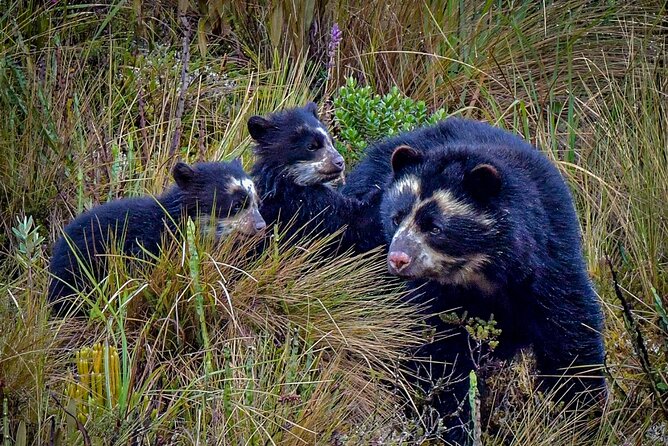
(221, 196)
(296, 170)
(481, 222)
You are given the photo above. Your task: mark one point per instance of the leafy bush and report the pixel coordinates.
(363, 116)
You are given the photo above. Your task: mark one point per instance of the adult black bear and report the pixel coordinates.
(483, 223)
(295, 172)
(203, 190)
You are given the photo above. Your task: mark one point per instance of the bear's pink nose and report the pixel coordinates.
(398, 260)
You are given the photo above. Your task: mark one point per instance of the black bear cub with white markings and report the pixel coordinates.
(219, 195)
(296, 171)
(486, 224)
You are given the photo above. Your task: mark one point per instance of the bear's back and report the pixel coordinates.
(134, 221)
(375, 170)
(541, 199)
(129, 219)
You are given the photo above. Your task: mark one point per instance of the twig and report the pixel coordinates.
(142, 121)
(201, 141)
(52, 434)
(185, 58)
(612, 379)
(6, 439)
(639, 342)
(80, 426)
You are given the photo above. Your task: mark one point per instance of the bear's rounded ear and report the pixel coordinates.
(403, 157)
(258, 127)
(312, 108)
(183, 174)
(483, 181)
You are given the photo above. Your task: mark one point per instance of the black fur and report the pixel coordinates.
(288, 142)
(374, 172)
(200, 190)
(541, 297)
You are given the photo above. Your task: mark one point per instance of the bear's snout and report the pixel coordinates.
(260, 225)
(338, 162)
(333, 163)
(397, 261)
(257, 221)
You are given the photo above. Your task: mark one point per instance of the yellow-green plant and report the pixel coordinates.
(96, 385)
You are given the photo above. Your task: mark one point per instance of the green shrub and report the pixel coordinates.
(363, 116)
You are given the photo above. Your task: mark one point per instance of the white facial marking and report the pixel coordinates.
(332, 184)
(225, 226)
(408, 183)
(451, 206)
(247, 185)
(429, 257)
(242, 184)
(210, 226)
(440, 266)
(323, 132)
(222, 227)
(408, 231)
(470, 274)
(437, 265)
(306, 173)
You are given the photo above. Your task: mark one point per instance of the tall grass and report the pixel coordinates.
(284, 359)
(295, 348)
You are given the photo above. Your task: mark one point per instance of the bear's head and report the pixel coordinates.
(444, 214)
(220, 195)
(296, 143)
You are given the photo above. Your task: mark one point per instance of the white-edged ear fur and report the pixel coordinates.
(483, 181)
(404, 156)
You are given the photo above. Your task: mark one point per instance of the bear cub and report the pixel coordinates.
(480, 222)
(219, 195)
(296, 172)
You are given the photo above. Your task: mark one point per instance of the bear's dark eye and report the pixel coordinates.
(396, 220)
(236, 207)
(312, 147)
(435, 230)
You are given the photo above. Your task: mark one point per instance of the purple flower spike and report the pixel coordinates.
(335, 37)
